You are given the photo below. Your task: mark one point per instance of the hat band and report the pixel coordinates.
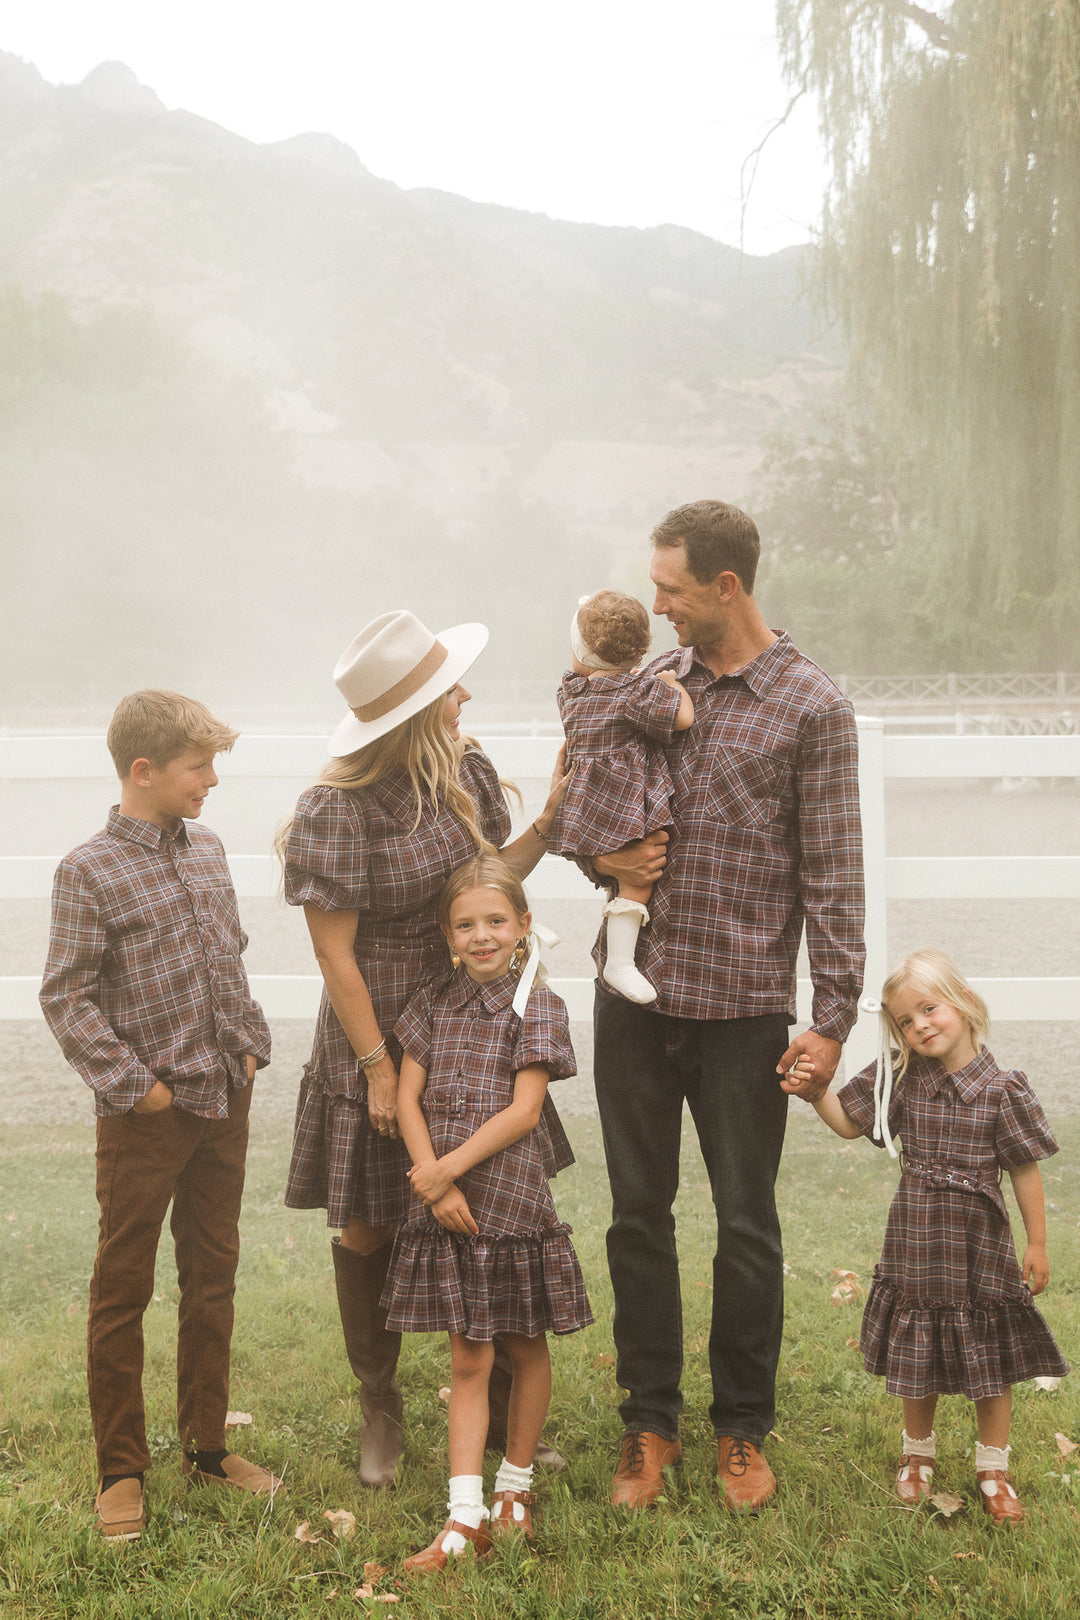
(406, 687)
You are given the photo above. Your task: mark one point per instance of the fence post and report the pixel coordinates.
(862, 1043)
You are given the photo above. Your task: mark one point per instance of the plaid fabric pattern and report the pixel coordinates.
(948, 1311)
(358, 850)
(766, 834)
(621, 787)
(143, 979)
(520, 1274)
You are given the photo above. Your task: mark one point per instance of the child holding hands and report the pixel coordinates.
(616, 718)
(950, 1310)
(484, 1254)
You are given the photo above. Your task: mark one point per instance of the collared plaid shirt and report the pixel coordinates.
(143, 980)
(766, 835)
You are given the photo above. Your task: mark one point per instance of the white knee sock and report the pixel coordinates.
(987, 1457)
(512, 1478)
(624, 922)
(466, 1505)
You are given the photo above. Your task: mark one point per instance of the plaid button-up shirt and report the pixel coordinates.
(766, 836)
(143, 979)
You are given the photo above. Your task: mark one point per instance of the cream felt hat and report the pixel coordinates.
(393, 669)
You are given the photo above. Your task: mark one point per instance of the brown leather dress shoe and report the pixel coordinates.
(998, 1498)
(432, 1560)
(913, 1477)
(120, 1512)
(503, 1522)
(742, 1474)
(639, 1478)
(238, 1475)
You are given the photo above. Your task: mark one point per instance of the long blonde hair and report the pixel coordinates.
(934, 974)
(424, 748)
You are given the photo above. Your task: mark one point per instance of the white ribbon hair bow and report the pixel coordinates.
(534, 971)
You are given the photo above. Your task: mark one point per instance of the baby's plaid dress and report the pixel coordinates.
(621, 785)
(948, 1311)
(362, 849)
(519, 1274)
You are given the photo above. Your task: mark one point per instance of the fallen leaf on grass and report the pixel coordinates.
(604, 1360)
(1065, 1445)
(368, 1592)
(946, 1503)
(444, 1393)
(304, 1533)
(1047, 1383)
(372, 1571)
(848, 1287)
(342, 1522)
(238, 1420)
(852, 1344)
(977, 1556)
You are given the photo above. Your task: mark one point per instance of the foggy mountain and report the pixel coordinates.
(252, 395)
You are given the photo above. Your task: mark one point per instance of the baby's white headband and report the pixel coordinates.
(580, 648)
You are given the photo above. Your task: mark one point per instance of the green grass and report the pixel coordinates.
(833, 1544)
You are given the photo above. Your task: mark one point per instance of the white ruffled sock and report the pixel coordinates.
(466, 1505)
(920, 1448)
(512, 1478)
(624, 922)
(989, 1457)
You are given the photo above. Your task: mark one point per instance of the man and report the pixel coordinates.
(766, 835)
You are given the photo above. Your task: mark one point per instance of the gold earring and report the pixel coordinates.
(455, 959)
(521, 951)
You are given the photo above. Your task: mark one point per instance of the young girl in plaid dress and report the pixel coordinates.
(483, 1253)
(616, 719)
(950, 1310)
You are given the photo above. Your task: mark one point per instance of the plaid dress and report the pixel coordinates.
(520, 1273)
(358, 850)
(948, 1311)
(621, 787)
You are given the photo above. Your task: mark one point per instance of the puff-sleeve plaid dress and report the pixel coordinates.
(363, 850)
(519, 1274)
(621, 786)
(948, 1310)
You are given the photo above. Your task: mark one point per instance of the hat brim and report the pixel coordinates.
(463, 642)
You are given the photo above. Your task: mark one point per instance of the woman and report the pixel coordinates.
(404, 800)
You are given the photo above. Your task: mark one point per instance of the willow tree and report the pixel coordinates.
(951, 250)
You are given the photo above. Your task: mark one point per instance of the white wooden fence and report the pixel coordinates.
(888, 877)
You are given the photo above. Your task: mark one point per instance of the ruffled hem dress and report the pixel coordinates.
(621, 787)
(948, 1311)
(363, 850)
(520, 1273)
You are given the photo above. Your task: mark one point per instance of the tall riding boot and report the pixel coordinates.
(373, 1354)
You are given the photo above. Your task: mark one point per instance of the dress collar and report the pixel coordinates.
(147, 833)
(968, 1081)
(493, 997)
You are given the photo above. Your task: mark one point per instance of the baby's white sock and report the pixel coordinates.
(512, 1478)
(466, 1505)
(624, 923)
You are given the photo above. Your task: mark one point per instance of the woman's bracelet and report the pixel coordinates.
(373, 1057)
(543, 837)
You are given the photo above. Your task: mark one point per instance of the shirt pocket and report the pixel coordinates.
(745, 789)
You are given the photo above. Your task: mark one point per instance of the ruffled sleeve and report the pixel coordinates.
(653, 707)
(326, 853)
(856, 1098)
(544, 1036)
(1022, 1133)
(480, 780)
(413, 1028)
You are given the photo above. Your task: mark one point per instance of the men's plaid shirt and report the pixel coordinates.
(143, 979)
(766, 835)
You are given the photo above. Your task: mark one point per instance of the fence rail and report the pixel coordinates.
(968, 877)
(954, 691)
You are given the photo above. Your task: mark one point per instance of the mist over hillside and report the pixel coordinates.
(252, 395)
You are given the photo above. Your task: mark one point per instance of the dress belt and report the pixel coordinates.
(946, 1175)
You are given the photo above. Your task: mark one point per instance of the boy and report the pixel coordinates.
(145, 991)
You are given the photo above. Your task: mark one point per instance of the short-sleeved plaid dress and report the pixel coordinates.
(621, 787)
(948, 1311)
(358, 850)
(519, 1274)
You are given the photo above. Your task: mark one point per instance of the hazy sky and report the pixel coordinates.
(615, 111)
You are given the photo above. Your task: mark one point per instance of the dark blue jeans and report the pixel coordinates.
(645, 1065)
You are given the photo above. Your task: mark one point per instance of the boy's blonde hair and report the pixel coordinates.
(160, 726)
(615, 626)
(934, 974)
(483, 872)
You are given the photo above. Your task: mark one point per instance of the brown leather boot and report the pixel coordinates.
(373, 1355)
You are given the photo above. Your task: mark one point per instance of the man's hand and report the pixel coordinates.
(811, 1079)
(638, 864)
(155, 1101)
(453, 1212)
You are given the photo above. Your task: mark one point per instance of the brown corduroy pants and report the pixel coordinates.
(143, 1162)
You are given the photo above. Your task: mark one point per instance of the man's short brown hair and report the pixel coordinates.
(160, 726)
(717, 538)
